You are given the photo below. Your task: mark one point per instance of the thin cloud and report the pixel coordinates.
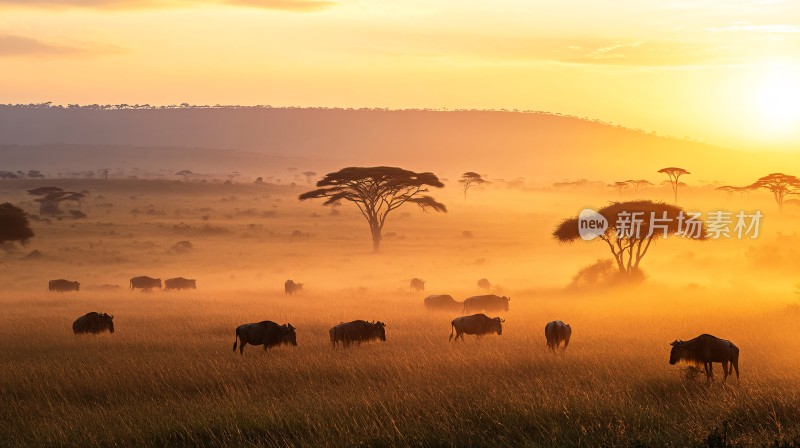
(584, 51)
(20, 46)
(746, 27)
(284, 5)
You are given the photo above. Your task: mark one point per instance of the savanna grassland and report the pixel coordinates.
(167, 376)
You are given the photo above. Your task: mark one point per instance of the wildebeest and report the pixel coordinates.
(62, 285)
(291, 287)
(444, 302)
(357, 331)
(477, 324)
(417, 284)
(93, 323)
(488, 302)
(557, 332)
(145, 283)
(180, 283)
(266, 333)
(484, 284)
(706, 349)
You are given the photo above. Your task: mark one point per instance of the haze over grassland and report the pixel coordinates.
(541, 147)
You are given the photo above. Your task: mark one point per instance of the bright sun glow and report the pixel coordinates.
(779, 99)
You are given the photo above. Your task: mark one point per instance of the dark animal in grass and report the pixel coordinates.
(556, 333)
(180, 283)
(357, 331)
(488, 302)
(477, 324)
(443, 302)
(266, 333)
(145, 283)
(484, 284)
(93, 323)
(62, 285)
(290, 287)
(705, 350)
(417, 284)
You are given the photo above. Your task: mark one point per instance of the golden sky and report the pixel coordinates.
(723, 71)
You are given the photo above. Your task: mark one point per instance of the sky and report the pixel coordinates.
(722, 71)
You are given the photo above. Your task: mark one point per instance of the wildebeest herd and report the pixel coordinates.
(703, 350)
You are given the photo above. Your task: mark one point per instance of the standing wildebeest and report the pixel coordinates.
(357, 331)
(489, 302)
(477, 324)
(145, 283)
(484, 284)
(706, 349)
(180, 283)
(444, 302)
(291, 287)
(417, 284)
(62, 285)
(266, 333)
(93, 323)
(557, 332)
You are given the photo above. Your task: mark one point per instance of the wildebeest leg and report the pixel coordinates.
(705, 369)
(724, 370)
(241, 346)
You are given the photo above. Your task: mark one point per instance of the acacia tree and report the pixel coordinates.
(469, 179)
(632, 228)
(309, 175)
(639, 183)
(185, 174)
(377, 191)
(14, 225)
(50, 198)
(781, 185)
(674, 174)
(619, 186)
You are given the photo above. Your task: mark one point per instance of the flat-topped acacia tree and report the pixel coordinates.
(628, 247)
(377, 191)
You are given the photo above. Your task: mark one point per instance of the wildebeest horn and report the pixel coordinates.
(502, 320)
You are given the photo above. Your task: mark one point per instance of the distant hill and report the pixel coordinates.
(537, 146)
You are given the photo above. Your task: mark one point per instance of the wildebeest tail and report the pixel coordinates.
(235, 339)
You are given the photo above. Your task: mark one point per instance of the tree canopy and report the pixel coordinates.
(377, 191)
(674, 173)
(469, 179)
(781, 185)
(14, 225)
(629, 241)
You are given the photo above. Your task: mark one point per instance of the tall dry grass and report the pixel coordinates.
(167, 376)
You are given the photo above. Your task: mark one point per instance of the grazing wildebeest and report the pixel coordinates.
(93, 323)
(62, 285)
(706, 349)
(489, 302)
(417, 284)
(557, 332)
(443, 302)
(180, 283)
(291, 287)
(145, 283)
(477, 324)
(266, 333)
(357, 331)
(484, 284)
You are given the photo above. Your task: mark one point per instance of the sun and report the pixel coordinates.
(779, 99)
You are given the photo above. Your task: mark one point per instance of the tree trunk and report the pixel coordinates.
(375, 228)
